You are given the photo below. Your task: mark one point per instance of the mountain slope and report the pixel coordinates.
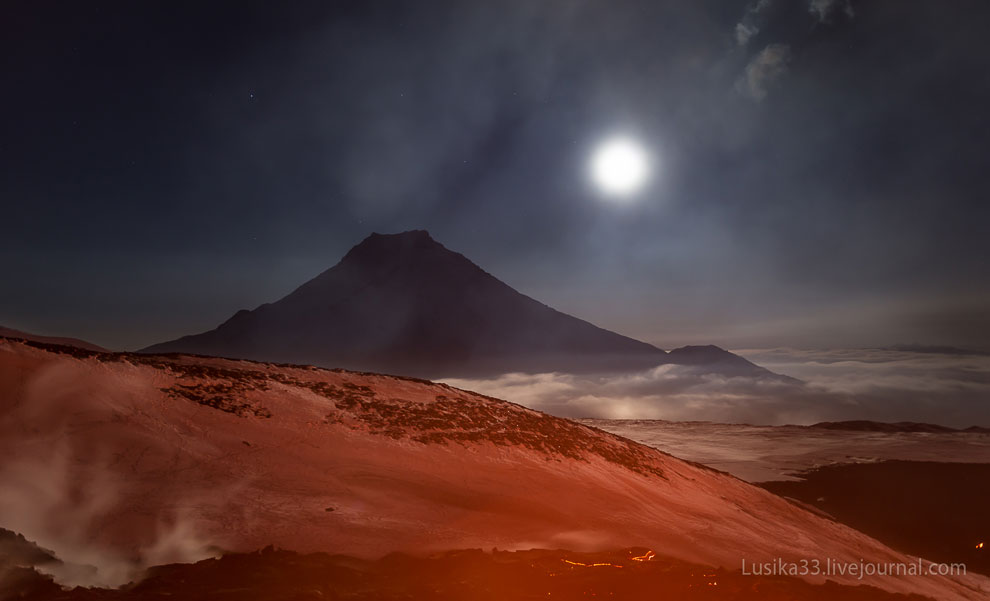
(151, 459)
(12, 333)
(403, 303)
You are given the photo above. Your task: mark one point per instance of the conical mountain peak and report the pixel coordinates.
(382, 245)
(405, 304)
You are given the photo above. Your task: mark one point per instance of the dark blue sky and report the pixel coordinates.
(822, 166)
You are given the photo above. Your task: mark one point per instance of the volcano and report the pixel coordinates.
(405, 304)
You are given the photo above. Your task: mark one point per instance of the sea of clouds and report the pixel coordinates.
(828, 385)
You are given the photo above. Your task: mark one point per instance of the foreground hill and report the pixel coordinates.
(403, 303)
(12, 333)
(125, 460)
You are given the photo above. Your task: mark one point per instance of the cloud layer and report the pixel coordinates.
(879, 385)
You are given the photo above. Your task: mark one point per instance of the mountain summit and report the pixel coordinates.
(404, 303)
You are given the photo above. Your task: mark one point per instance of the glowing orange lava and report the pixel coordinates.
(591, 565)
(649, 555)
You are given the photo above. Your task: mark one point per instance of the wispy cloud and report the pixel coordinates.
(772, 62)
(744, 32)
(764, 69)
(824, 10)
(750, 23)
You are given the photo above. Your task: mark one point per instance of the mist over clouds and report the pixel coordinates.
(880, 385)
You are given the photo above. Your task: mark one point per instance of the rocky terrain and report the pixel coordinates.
(125, 461)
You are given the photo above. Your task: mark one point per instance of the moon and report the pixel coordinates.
(619, 166)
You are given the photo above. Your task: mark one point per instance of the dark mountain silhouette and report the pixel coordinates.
(405, 304)
(935, 349)
(711, 358)
(872, 426)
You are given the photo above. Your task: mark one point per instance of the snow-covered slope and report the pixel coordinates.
(124, 455)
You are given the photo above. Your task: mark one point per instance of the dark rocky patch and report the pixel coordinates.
(934, 510)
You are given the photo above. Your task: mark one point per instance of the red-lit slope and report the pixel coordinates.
(155, 455)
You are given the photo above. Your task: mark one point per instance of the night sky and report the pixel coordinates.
(820, 169)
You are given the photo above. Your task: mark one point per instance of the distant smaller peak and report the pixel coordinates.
(699, 348)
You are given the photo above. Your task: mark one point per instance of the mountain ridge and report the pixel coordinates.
(404, 303)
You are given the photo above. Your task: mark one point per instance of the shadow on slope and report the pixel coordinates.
(934, 510)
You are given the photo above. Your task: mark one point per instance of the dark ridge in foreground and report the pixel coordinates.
(929, 509)
(275, 575)
(871, 426)
(17, 550)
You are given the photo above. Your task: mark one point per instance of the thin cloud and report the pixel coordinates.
(823, 10)
(744, 32)
(750, 24)
(763, 70)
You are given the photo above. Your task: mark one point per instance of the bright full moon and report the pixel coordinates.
(619, 167)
